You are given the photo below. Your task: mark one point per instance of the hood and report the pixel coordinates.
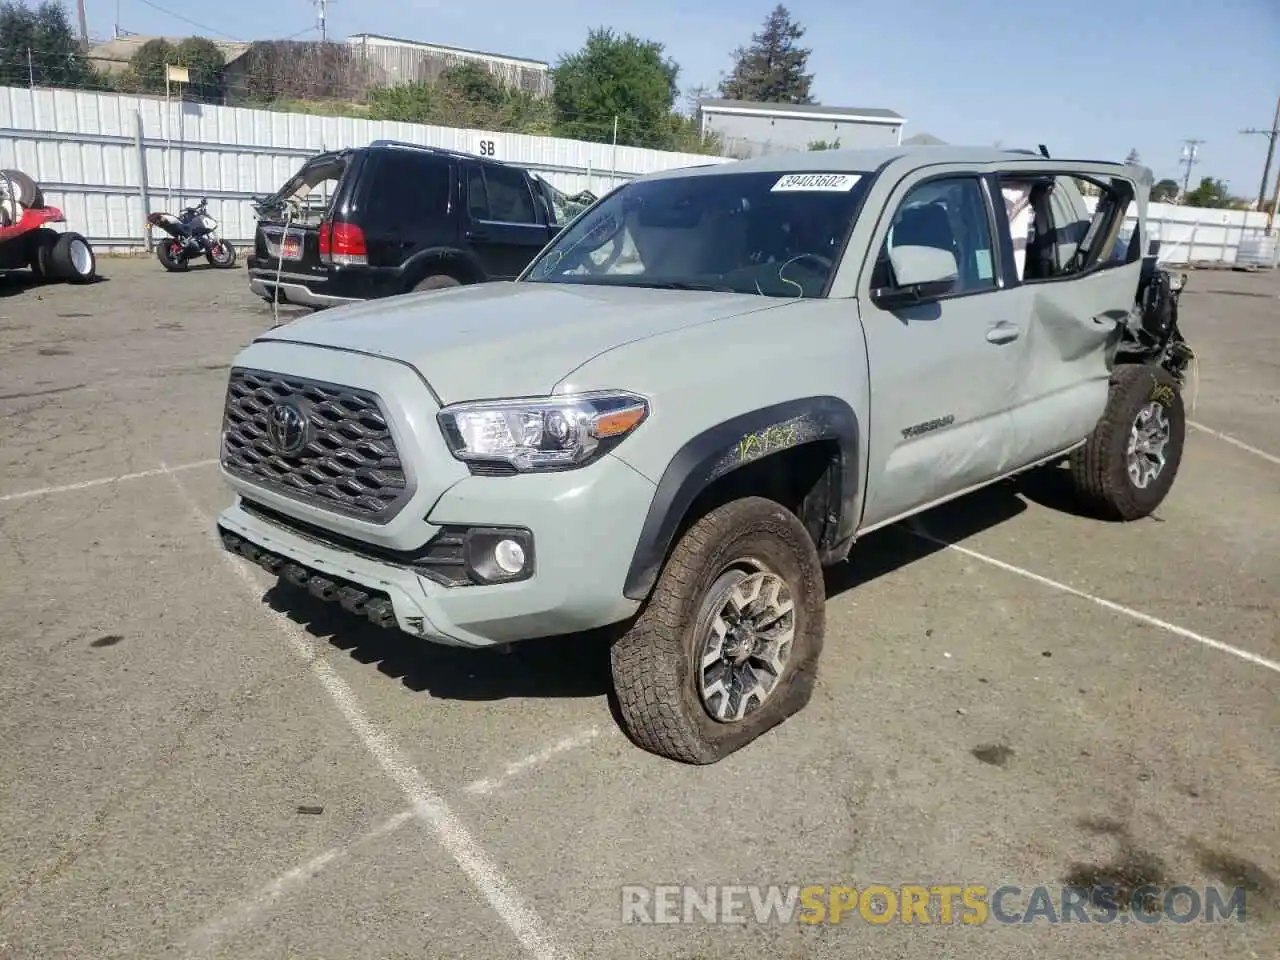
(507, 339)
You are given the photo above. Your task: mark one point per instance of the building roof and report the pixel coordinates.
(806, 111)
(923, 140)
(112, 56)
(446, 48)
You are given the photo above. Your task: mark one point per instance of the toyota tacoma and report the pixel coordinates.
(701, 393)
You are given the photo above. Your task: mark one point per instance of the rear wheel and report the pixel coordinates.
(437, 281)
(169, 253)
(222, 255)
(727, 646)
(72, 259)
(1128, 465)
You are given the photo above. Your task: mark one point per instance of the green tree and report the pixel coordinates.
(39, 46)
(772, 69)
(815, 145)
(620, 77)
(1210, 193)
(205, 64)
(1164, 191)
(146, 70)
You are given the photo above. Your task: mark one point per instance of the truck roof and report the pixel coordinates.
(858, 161)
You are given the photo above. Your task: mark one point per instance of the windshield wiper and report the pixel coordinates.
(685, 285)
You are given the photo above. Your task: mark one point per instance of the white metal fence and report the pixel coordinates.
(107, 160)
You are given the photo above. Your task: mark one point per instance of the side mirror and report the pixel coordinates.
(920, 273)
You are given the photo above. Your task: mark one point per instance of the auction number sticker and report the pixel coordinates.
(826, 182)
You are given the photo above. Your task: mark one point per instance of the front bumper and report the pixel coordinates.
(584, 524)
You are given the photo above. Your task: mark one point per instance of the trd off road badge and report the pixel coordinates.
(824, 182)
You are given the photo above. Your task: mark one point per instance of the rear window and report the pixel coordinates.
(315, 186)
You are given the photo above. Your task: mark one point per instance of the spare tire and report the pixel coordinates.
(21, 187)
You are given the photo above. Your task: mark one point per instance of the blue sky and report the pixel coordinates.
(1087, 80)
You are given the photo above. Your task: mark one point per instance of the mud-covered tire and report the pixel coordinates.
(437, 281)
(73, 260)
(39, 253)
(1100, 470)
(656, 663)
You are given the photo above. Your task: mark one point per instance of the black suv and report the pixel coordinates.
(393, 217)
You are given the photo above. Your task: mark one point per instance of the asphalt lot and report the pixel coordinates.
(167, 711)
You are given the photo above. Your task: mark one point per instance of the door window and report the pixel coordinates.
(950, 214)
(477, 196)
(509, 198)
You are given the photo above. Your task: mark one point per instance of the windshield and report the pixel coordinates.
(772, 234)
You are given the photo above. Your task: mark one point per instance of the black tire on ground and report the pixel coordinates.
(437, 281)
(26, 190)
(163, 248)
(73, 260)
(227, 258)
(657, 664)
(1101, 471)
(39, 251)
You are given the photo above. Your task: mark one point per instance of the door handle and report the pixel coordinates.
(1003, 332)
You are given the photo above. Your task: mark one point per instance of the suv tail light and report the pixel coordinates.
(343, 244)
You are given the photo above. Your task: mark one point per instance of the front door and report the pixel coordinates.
(503, 225)
(944, 372)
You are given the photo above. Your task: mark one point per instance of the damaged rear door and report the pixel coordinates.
(1079, 278)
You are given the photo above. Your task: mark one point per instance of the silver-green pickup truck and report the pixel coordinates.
(702, 392)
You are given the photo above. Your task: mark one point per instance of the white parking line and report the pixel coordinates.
(1247, 656)
(485, 875)
(103, 481)
(291, 880)
(248, 909)
(518, 767)
(1227, 438)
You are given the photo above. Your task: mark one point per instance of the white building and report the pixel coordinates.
(396, 61)
(749, 129)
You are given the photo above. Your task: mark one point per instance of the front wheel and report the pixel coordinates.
(221, 255)
(1127, 467)
(727, 646)
(171, 256)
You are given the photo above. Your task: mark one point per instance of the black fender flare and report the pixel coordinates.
(735, 443)
(420, 264)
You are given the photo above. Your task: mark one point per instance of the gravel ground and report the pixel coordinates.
(1046, 700)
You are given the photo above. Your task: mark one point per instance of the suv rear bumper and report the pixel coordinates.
(583, 530)
(291, 291)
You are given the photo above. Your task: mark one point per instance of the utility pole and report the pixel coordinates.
(84, 27)
(1271, 150)
(1189, 150)
(322, 7)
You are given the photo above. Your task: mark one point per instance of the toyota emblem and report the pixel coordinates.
(287, 429)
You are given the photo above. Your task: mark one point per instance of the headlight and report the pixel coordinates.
(543, 433)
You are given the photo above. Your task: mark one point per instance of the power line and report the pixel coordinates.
(178, 16)
(1271, 149)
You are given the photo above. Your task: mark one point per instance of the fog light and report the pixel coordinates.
(498, 554)
(509, 556)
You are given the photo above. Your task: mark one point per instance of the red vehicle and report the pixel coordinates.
(27, 240)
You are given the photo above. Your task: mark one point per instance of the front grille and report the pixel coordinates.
(349, 463)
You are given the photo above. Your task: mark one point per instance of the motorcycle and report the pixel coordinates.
(193, 233)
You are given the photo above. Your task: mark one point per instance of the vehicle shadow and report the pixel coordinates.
(23, 281)
(577, 665)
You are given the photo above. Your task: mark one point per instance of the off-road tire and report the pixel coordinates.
(39, 249)
(25, 190)
(1099, 469)
(436, 281)
(173, 266)
(653, 662)
(63, 257)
